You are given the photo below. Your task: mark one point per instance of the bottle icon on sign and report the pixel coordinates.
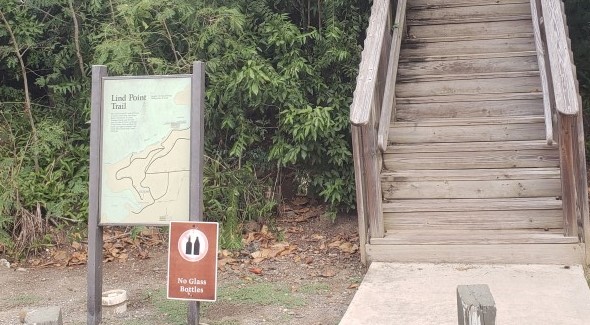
(189, 246)
(193, 245)
(197, 247)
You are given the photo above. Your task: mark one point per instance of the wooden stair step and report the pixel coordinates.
(471, 236)
(477, 184)
(466, 75)
(475, 56)
(472, 205)
(407, 110)
(469, 147)
(477, 219)
(481, 174)
(560, 254)
(480, 159)
(467, 14)
(471, 155)
(416, 49)
(469, 98)
(477, 30)
(518, 82)
(408, 70)
(503, 213)
(469, 130)
(435, 4)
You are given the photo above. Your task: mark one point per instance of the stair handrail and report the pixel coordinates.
(541, 50)
(388, 106)
(560, 58)
(364, 117)
(569, 120)
(366, 82)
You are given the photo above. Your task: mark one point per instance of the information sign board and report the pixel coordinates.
(145, 155)
(192, 261)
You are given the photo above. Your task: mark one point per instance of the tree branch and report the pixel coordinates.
(77, 38)
(27, 103)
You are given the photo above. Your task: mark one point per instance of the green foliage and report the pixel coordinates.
(233, 196)
(280, 80)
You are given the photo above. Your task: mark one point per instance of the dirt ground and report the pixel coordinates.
(307, 274)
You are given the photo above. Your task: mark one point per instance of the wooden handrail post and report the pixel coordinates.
(567, 131)
(361, 199)
(475, 305)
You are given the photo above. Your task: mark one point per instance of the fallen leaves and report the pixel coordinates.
(297, 212)
(119, 244)
(278, 249)
(328, 272)
(255, 270)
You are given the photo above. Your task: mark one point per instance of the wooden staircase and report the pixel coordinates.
(468, 169)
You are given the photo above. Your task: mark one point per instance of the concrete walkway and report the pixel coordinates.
(416, 294)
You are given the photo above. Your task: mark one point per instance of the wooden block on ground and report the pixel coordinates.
(475, 305)
(44, 316)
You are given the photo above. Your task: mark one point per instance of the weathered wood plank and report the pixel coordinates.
(466, 20)
(456, 47)
(411, 175)
(450, 131)
(475, 159)
(471, 121)
(468, 109)
(471, 147)
(366, 80)
(472, 236)
(470, 98)
(471, 29)
(388, 106)
(467, 76)
(95, 242)
(475, 305)
(492, 219)
(196, 161)
(474, 56)
(432, 4)
(560, 254)
(471, 189)
(424, 88)
(372, 170)
(560, 60)
(361, 200)
(490, 12)
(463, 205)
(567, 125)
(481, 37)
(468, 66)
(545, 78)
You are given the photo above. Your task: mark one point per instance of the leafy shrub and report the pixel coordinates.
(234, 196)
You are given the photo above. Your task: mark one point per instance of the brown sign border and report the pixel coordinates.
(172, 246)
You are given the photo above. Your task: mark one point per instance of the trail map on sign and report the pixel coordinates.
(145, 150)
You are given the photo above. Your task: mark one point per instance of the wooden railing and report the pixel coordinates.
(364, 116)
(541, 48)
(561, 77)
(388, 107)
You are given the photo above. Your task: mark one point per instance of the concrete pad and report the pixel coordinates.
(44, 316)
(416, 294)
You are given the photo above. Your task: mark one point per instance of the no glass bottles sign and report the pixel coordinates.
(192, 261)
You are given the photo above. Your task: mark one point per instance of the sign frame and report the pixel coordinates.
(95, 229)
